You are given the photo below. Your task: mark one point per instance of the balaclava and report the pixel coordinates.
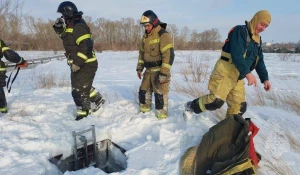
(260, 16)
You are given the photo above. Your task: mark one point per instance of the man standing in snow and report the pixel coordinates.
(78, 44)
(156, 54)
(11, 56)
(241, 54)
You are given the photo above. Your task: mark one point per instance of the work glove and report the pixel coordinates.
(139, 74)
(59, 22)
(162, 79)
(74, 68)
(23, 63)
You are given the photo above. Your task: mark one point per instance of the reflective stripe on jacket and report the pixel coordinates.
(78, 43)
(9, 54)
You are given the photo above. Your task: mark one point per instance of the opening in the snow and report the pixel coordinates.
(109, 157)
(106, 155)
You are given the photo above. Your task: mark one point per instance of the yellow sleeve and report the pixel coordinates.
(140, 64)
(167, 51)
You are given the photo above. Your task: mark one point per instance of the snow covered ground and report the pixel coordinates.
(40, 121)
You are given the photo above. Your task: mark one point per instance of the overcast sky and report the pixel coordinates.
(196, 14)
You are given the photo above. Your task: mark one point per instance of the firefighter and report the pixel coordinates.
(11, 56)
(78, 44)
(241, 54)
(156, 55)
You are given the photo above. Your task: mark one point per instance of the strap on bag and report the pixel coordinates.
(8, 81)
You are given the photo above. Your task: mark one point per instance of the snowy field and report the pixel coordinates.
(40, 120)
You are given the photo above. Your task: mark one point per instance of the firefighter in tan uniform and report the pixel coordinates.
(241, 54)
(156, 55)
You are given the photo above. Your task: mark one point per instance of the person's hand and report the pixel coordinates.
(267, 85)
(75, 68)
(59, 22)
(23, 63)
(139, 74)
(251, 79)
(162, 79)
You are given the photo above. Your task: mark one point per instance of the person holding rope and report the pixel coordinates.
(11, 56)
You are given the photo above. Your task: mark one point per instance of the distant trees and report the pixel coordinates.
(206, 40)
(40, 35)
(11, 22)
(124, 34)
(282, 48)
(24, 32)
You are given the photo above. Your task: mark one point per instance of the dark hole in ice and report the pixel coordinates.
(109, 157)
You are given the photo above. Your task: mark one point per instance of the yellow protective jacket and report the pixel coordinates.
(156, 52)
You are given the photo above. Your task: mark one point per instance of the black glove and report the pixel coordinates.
(59, 22)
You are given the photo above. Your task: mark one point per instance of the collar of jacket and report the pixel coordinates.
(250, 29)
(155, 30)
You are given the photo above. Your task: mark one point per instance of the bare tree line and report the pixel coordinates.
(24, 32)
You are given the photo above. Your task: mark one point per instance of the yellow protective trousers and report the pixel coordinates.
(149, 85)
(224, 86)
